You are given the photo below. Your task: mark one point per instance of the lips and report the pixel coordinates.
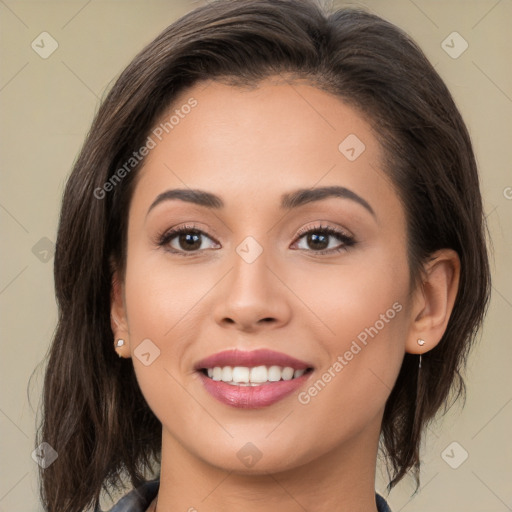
(254, 395)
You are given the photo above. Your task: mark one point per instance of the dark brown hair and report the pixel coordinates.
(94, 414)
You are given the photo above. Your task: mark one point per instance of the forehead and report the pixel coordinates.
(249, 143)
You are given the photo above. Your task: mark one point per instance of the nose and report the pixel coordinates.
(253, 296)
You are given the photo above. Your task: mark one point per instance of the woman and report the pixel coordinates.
(275, 222)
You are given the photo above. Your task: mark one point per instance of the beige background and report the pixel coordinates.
(47, 106)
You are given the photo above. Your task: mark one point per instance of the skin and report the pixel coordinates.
(249, 147)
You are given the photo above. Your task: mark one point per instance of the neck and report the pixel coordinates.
(341, 480)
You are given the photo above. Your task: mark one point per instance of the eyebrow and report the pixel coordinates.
(288, 201)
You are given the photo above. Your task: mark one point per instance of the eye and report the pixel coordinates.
(184, 239)
(320, 237)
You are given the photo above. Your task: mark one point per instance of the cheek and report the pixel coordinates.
(160, 301)
(161, 295)
(364, 322)
(160, 305)
(349, 297)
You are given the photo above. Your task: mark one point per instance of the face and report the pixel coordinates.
(317, 281)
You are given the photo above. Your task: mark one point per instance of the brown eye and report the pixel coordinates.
(189, 241)
(183, 240)
(318, 240)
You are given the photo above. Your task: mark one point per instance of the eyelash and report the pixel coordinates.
(347, 241)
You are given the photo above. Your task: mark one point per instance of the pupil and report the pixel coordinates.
(316, 238)
(189, 241)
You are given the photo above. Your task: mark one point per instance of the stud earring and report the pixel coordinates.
(119, 343)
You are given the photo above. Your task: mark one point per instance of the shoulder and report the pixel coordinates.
(137, 500)
(382, 505)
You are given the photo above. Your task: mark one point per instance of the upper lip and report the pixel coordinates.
(250, 358)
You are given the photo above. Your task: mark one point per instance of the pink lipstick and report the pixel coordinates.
(252, 379)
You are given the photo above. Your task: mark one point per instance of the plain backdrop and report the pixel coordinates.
(47, 106)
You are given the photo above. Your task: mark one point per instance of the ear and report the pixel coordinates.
(118, 318)
(433, 301)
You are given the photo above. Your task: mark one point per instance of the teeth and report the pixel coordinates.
(253, 376)
(240, 374)
(274, 373)
(227, 374)
(288, 373)
(258, 374)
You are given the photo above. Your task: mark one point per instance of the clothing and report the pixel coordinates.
(139, 499)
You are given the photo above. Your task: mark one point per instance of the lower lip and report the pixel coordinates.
(252, 397)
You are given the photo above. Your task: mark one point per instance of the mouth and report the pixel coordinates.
(252, 379)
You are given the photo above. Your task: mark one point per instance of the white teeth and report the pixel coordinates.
(227, 373)
(259, 374)
(274, 373)
(288, 373)
(253, 376)
(240, 374)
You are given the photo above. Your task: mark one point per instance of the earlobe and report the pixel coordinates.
(434, 301)
(118, 320)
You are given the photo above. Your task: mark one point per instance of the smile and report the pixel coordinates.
(252, 379)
